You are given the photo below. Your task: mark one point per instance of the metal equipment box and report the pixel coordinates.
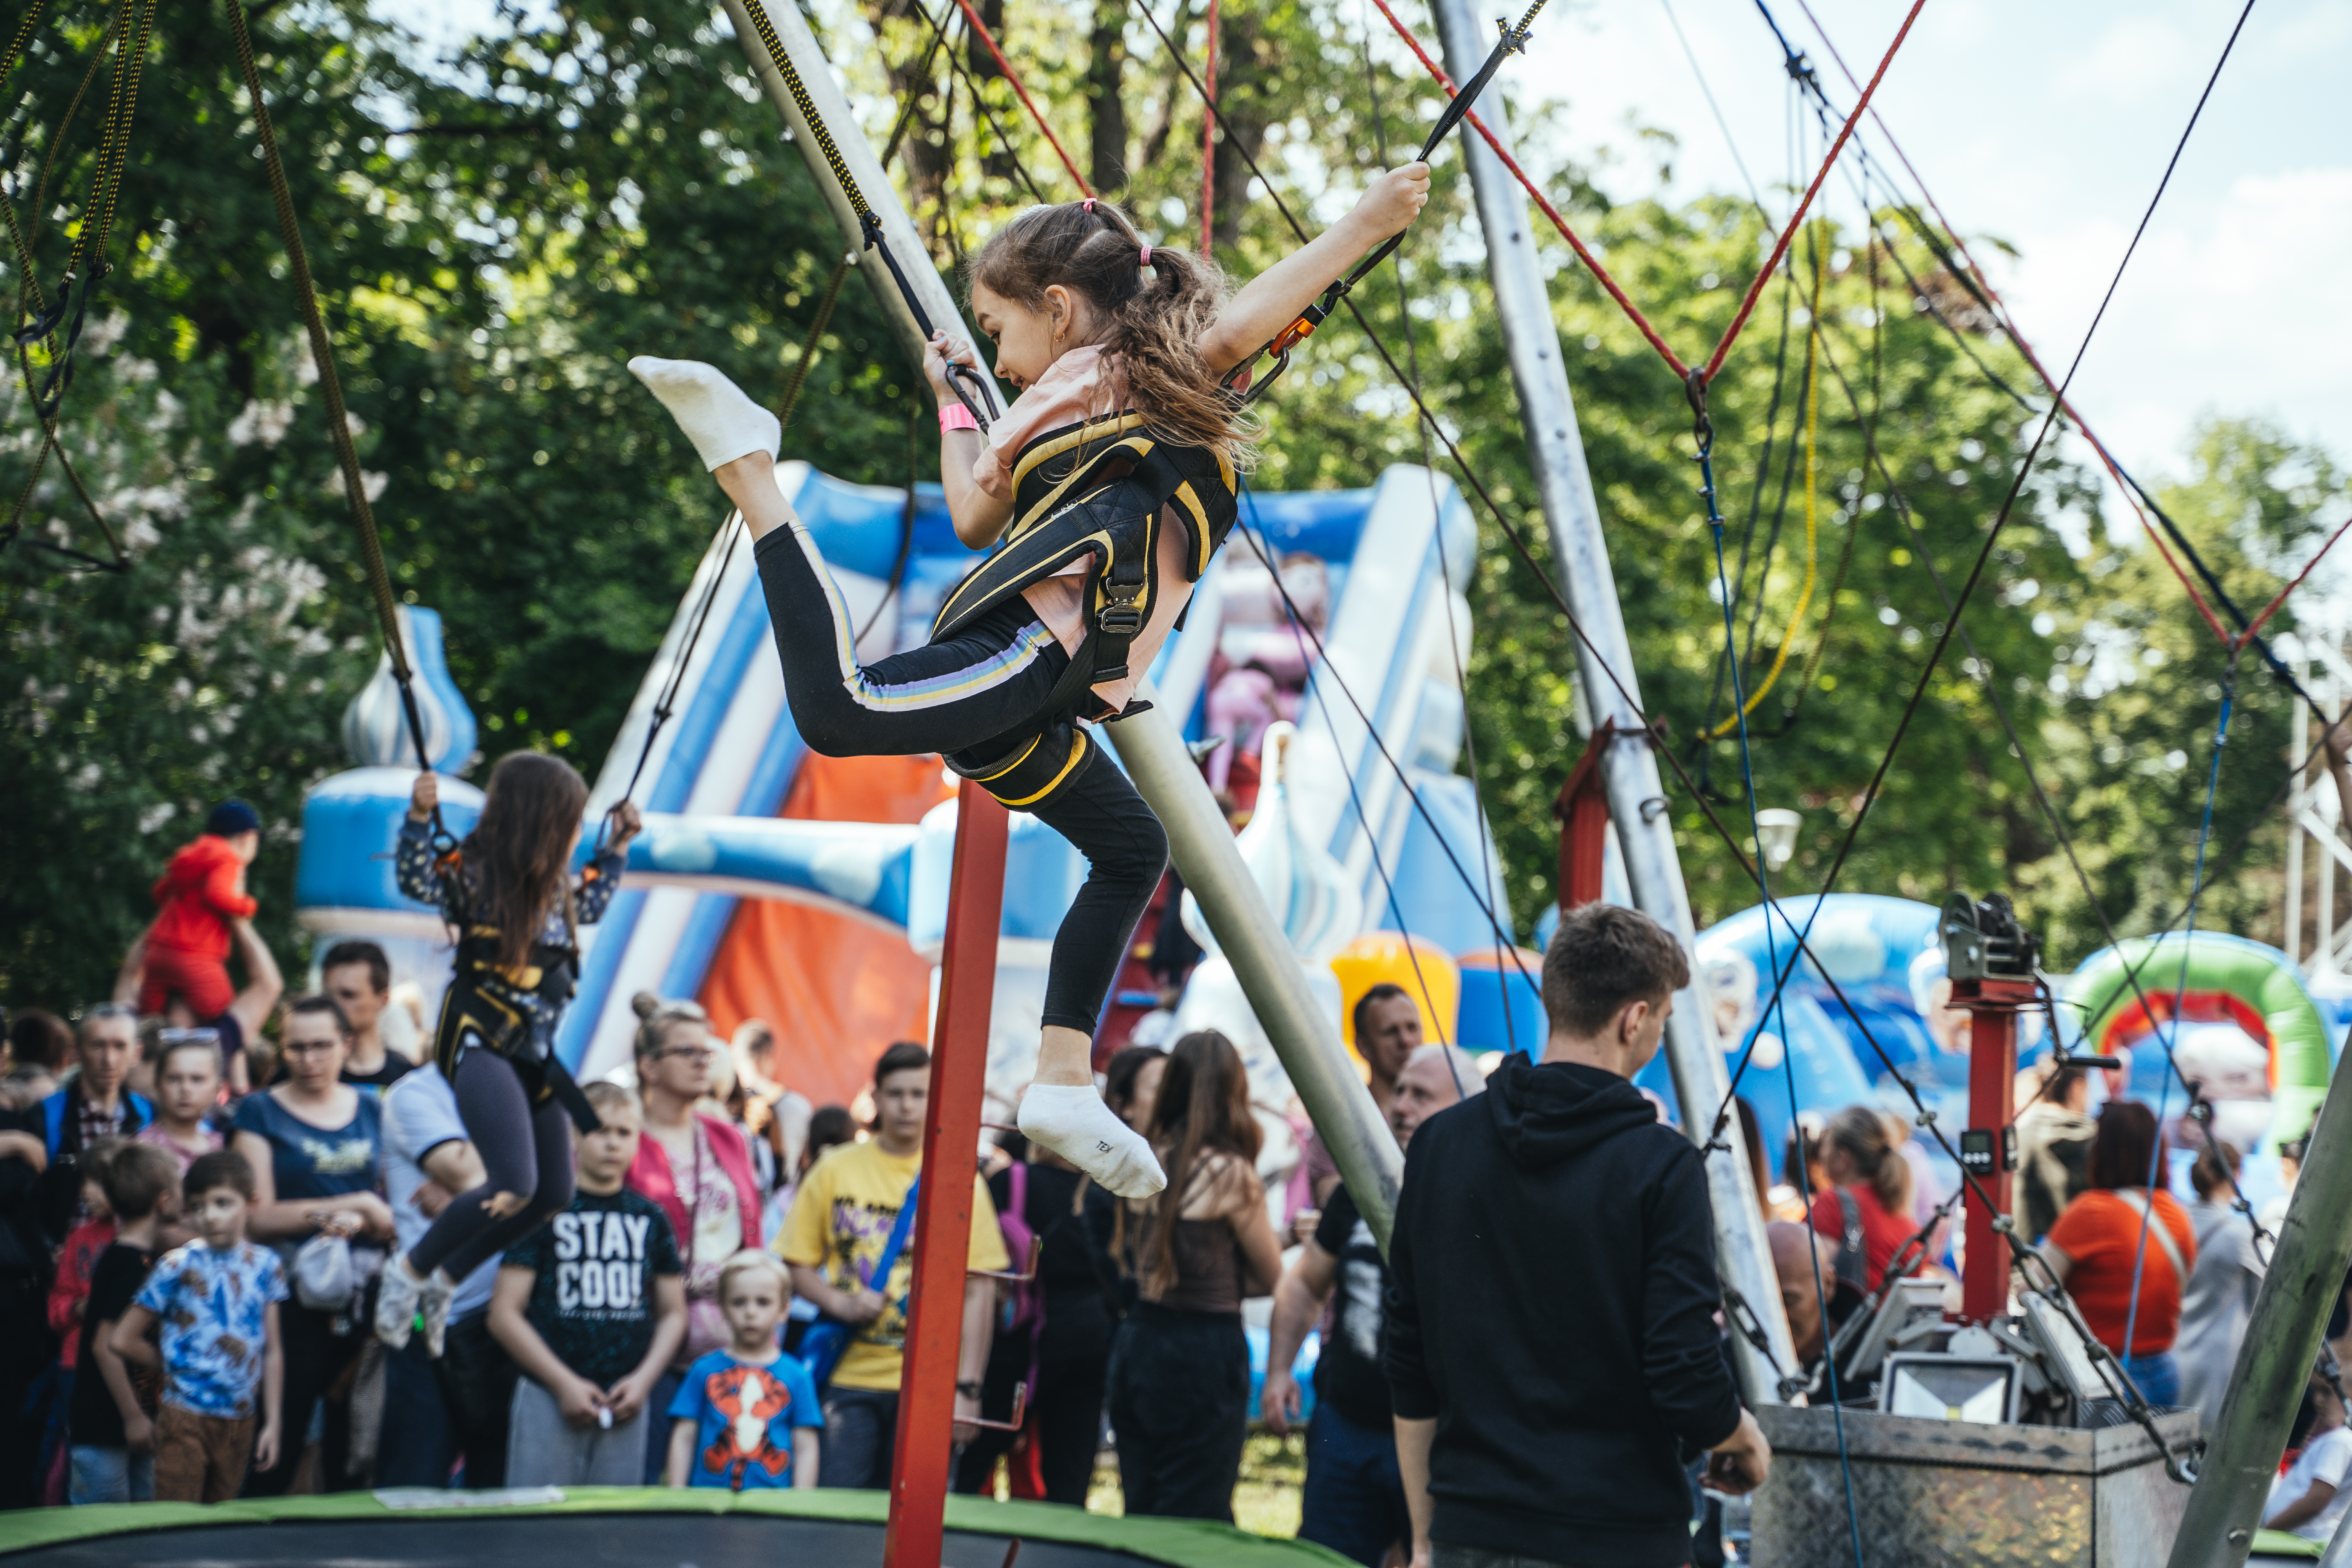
(1955, 1494)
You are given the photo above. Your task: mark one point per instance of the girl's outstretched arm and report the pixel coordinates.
(1273, 299)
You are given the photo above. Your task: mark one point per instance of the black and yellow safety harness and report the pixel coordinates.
(1099, 490)
(479, 1009)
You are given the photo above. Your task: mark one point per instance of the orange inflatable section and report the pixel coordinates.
(835, 992)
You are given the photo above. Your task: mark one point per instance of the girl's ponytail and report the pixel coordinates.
(1156, 305)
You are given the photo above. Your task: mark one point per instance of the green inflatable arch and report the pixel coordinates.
(2229, 979)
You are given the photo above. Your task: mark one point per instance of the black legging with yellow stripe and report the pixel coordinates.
(976, 697)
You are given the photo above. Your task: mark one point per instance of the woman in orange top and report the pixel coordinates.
(2123, 1283)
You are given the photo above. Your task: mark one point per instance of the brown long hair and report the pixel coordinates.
(1154, 316)
(1204, 1108)
(1861, 1133)
(517, 860)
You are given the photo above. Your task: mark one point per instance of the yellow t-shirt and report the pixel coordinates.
(840, 1220)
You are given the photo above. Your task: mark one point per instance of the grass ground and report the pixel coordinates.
(1265, 1501)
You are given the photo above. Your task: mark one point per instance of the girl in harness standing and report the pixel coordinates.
(1104, 491)
(508, 892)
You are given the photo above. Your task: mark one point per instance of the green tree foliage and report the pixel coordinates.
(495, 234)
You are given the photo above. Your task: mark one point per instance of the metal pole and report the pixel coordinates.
(2276, 1357)
(942, 1238)
(1637, 802)
(857, 156)
(1202, 843)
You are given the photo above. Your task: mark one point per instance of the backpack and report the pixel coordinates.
(1853, 1257)
(1022, 1303)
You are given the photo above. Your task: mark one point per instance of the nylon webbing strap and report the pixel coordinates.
(982, 404)
(807, 106)
(338, 424)
(30, 304)
(86, 265)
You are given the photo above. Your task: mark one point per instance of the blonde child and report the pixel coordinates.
(188, 1068)
(747, 1416)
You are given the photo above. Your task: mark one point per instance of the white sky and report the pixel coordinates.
(2047, 126)
(2043, 125)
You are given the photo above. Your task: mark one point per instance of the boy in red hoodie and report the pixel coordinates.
(200, 892)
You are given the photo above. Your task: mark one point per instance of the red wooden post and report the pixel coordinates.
(943, 1237)
(1988, 1146)
(1582, 811)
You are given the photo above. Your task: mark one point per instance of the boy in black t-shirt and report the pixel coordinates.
(110, 1421)
(591, 1306)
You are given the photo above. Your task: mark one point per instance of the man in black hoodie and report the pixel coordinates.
(1551, 1344)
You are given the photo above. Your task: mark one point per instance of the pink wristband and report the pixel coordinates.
(956, 417)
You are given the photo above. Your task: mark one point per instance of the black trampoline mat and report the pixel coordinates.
(558, 1540)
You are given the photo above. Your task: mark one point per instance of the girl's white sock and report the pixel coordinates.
(717, 415)
(1073, 1121)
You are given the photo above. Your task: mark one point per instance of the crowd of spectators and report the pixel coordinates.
(200, 1185)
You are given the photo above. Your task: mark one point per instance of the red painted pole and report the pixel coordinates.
(1992, 1082)
(943, 1237)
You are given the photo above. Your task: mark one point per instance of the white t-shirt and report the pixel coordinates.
(2326, 1457)
(420, 1114)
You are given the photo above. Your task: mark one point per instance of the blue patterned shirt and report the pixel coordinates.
(212, 1306)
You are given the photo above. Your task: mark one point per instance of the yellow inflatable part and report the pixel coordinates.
(1391, 958)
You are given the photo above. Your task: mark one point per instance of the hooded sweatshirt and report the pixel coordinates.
(198, 894)
(1552, 1309)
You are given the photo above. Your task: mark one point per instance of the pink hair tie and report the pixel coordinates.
(1147, 258)
(1086, 205)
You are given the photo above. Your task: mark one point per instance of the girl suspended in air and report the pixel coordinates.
(1106, 487)
(508, 894)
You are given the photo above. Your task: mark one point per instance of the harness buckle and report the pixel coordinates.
(1120, 618)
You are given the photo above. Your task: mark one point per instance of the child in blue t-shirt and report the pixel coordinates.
(212, 1308)
(746, 1416)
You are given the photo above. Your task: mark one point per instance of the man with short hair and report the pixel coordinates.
(1387, 1031)
(357, 975)
(1552, 1348)
(98, 1103)
(1354, 1498)
(833, 1238)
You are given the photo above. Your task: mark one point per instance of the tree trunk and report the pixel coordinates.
(925, 147)
(997, 162)
(1106, 68)
(1242, 75)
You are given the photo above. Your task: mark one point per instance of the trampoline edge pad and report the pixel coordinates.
(1177, 1542)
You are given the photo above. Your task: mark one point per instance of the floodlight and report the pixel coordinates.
(1981, 1390)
